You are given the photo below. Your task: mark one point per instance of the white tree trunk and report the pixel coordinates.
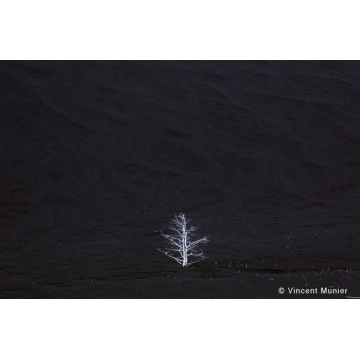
(182, 248)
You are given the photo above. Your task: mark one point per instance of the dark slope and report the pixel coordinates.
(95, 156)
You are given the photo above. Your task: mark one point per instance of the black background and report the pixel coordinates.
(96, 156)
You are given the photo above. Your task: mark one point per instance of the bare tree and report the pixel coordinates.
(182, 248)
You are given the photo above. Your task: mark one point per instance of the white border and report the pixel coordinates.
(178, 329)
(195, 29)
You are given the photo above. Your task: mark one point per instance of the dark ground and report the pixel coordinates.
(264, 157)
